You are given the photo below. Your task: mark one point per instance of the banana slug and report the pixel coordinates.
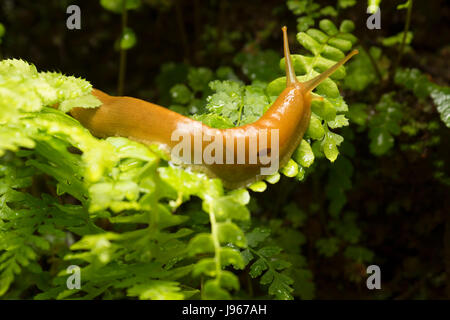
(149, 123)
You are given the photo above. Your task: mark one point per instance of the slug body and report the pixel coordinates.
(149, 123)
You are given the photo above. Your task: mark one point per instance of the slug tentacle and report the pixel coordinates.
(290, 72)
(313, 83)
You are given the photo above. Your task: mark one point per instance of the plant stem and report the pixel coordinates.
(374, 63)
(123, 54)
(182, 29)
(220, 27)
(240, 114)
(215, 237)
(197, 25)
(405, 33)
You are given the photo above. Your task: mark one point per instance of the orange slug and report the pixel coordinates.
(240, 154)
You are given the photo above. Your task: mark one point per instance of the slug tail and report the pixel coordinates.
(290, 72)
(313, 83)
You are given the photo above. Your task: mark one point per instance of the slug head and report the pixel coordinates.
(310, 85)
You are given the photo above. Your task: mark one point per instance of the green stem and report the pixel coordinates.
(182, 30)
(123, 54)
(197, 26)
(240, 114)
(405, 33)
(215, 237)
(373, 62)
(220, 29)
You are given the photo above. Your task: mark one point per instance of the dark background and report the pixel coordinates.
(36, 32)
